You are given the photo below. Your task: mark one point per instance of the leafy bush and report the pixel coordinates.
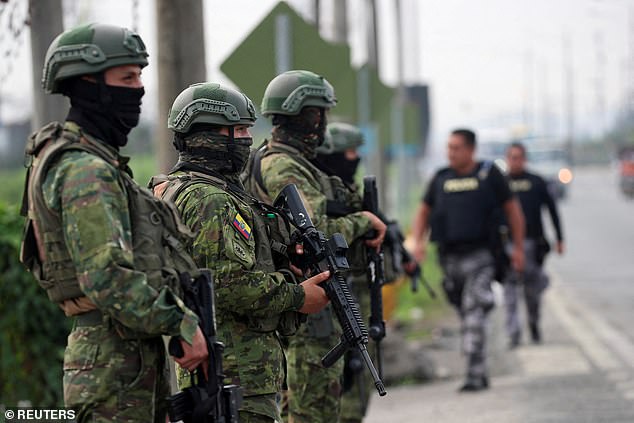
(33, 330)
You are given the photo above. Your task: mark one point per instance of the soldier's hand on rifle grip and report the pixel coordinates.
(379, 227)
(194, 354)
(315, 298)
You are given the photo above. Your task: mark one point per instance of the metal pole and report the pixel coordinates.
(46, 24)
(373, 63)
(181, 62)
(400, 186)
(569, 94)
(340, 21)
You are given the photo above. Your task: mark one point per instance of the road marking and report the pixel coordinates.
(597, 324)
(629, 395)
(553, 360)
(560, 305)
(618, 376)
(607, 348)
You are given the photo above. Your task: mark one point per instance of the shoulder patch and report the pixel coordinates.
(241, 226)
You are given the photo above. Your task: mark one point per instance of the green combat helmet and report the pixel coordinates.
(289, 92)
(210, 103)
(340, 137)
(89, 49)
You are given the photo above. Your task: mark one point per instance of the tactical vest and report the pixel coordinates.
(462, 208)
(158, 236)
(319, 325)
(254, 182)
(272, 236)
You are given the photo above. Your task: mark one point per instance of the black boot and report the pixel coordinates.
(475, 383)
(536, 335)
(514, 342)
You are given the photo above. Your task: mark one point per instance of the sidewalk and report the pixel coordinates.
(583, 372)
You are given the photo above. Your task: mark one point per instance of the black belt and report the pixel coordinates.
(90, 318)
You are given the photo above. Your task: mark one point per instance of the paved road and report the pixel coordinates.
(584, 372)
(599, 224)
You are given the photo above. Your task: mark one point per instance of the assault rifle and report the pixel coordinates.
(321, 254)
(205, 401)
(376, 273)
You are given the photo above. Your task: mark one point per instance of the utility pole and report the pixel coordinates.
(600, 81)
(529, 95)
(317, 14)
(569, 99)
(365, 101)
(400, 186)
(181, 62)
(340, 20)
(630, 68)
(45, 24)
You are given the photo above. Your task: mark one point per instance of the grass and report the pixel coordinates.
(12, 185)
(418, 312)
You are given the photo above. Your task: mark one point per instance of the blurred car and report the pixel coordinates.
(545, 156)
(626, 171)
(554, 165)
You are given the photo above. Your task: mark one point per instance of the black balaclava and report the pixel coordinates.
(106, 112)
(223, 155)
(305, 131)
(336, 164)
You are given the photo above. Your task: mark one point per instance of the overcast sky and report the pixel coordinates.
(489, 63)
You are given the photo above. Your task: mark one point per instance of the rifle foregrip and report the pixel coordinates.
(334, 354)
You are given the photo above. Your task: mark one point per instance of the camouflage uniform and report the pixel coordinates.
(234, 234)
(358, 384)
(314, 391)
(88, 245)
(114, 364)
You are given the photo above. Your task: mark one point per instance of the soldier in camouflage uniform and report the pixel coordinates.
(97, 242)
(339, 156)
(241, 239)
(297, 102)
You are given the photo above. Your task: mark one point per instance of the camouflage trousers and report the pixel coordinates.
(533, 281)
(467, 282)
(109, 379)
(314, 392)
(254, 408)
(260, 409)
(355, 398)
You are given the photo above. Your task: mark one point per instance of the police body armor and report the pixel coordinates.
(158, 236)
(319, 325)
(461, 215)
(272, 236)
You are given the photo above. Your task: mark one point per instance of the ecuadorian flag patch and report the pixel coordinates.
(241, 225)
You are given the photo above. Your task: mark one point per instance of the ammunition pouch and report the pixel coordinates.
(320, 325)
